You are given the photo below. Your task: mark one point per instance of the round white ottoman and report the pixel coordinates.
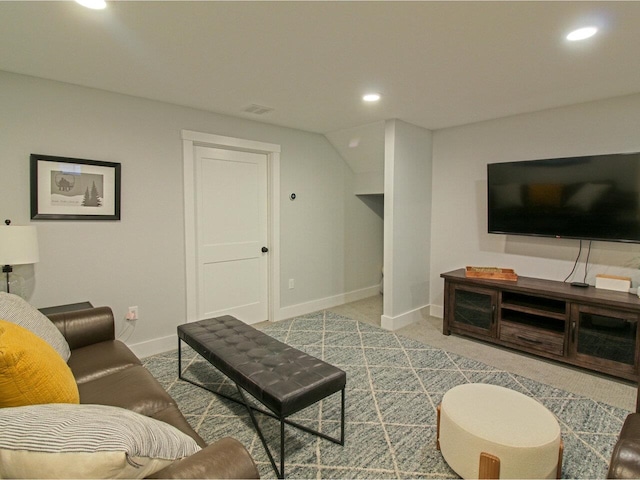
(476, 419)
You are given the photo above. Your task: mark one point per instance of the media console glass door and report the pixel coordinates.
(475, 310)
(605, 337)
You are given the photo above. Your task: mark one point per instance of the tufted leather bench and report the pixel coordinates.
(280, 377)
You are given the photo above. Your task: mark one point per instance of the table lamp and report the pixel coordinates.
(18, 246)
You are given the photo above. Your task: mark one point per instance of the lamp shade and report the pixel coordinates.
(18, 245)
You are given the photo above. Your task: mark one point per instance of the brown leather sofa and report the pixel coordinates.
(108, 373)
(625, 459)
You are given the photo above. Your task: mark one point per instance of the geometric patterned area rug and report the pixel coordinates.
(394, 385)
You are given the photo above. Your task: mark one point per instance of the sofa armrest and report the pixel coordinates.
(226, 458)
(631, 427)
(85, 327)
(625, 459)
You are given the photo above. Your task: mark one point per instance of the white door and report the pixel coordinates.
(231, 234)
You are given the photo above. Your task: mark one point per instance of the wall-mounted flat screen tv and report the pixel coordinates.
(593, 197)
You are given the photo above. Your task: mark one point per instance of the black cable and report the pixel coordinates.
(575, 264)
(584, 280)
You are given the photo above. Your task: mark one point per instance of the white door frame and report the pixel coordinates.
(190, 140)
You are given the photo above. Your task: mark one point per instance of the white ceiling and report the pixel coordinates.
(437, 64)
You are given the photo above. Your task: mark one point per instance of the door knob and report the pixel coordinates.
(265, 249)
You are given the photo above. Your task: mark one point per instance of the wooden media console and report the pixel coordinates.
(587, 327)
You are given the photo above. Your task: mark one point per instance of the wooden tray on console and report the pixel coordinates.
(493, 273)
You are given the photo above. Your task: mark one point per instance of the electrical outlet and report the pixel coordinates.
(291, 283)
(132, 314)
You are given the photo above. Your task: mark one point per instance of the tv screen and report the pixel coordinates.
(594, 197)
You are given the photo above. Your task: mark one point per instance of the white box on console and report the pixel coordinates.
(612, 282)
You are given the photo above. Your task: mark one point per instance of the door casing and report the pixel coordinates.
(192, 139)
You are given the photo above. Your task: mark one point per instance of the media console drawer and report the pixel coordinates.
(531, 337)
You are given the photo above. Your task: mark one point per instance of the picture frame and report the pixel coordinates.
(74, 189)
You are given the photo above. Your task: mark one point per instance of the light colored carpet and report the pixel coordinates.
(394, 384)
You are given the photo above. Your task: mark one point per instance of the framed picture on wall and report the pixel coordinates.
(74, 189)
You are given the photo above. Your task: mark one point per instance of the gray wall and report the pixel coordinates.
(407, 222)
(459, 218)
(140, 259)
(331, 240)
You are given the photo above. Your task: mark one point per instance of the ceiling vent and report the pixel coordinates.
(257, 109)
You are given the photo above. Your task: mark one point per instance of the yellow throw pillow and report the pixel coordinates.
(31, 371)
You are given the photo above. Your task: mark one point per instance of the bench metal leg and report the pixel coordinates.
(279, 473)
(179, 358)
(281, 448)
(283, 420)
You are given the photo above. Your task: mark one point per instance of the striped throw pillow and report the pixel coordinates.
(86, 441)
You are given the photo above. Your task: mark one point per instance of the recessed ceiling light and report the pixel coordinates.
(582, 33)
(93, 4)
(371, 97)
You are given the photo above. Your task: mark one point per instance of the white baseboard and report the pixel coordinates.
(168, 343)
(155, 346)
(437, 311)
(327, 302)
(412, 316)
